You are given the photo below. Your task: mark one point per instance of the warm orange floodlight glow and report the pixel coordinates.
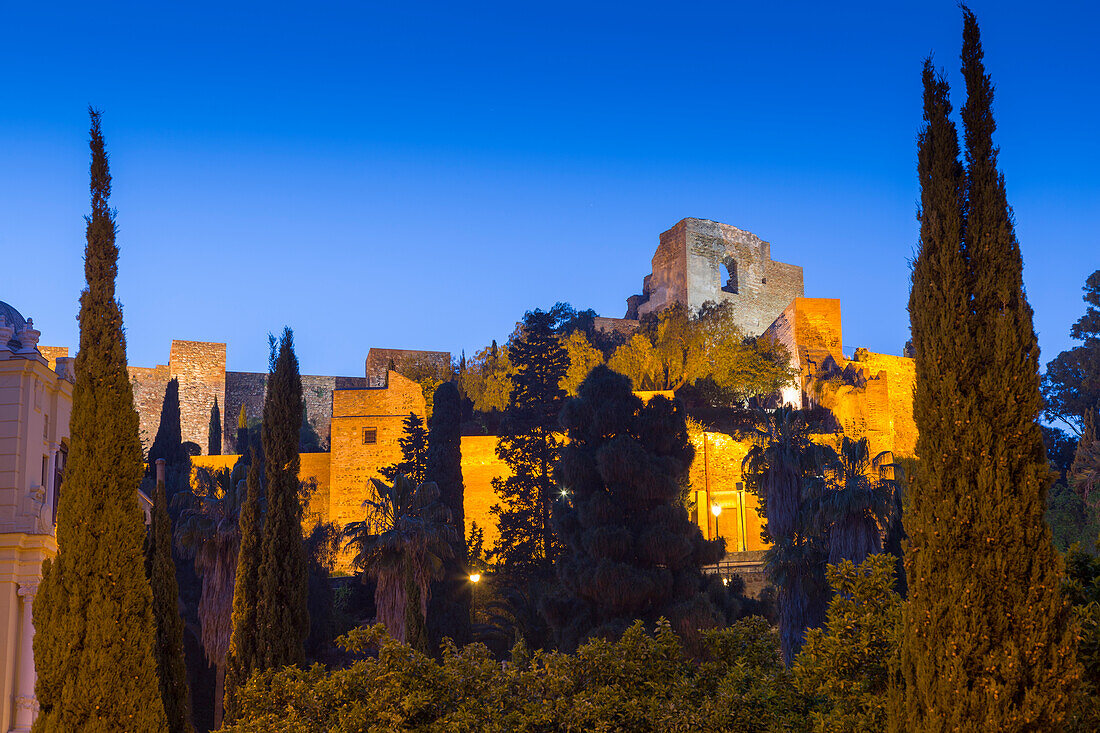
(715, 509)
(475, 577)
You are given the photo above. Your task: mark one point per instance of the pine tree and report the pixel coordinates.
(282, 609)
(214, 434)
(530, 448)
(450, 600)
(414, 452)
(161, 572)
(986, 641)
(94, 645)
(630, 550)
(243, 657)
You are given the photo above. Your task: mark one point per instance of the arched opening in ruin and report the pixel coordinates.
(727, 275)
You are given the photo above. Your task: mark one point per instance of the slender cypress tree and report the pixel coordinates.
(243, 657)
(242, 432)
(95, 637)
(282, 608)
(450, 600)
(631, 551)
(986, 642)
(214, 434)
(161, 571)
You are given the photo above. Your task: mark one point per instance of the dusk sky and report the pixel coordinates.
(412, 175)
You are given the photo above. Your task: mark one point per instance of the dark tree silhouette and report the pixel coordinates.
(630, 550)
(94, 645)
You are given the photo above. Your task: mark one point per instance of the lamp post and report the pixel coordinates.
(716, 510)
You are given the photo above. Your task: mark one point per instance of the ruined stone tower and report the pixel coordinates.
(699, 260)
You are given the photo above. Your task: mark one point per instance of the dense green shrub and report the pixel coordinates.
(640, 683)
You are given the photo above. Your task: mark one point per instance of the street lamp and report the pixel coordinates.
(716, 510)
(475, 577)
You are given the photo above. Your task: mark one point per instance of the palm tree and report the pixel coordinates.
(786, 470)
(858, 507)
(208, 532)
(402, 544)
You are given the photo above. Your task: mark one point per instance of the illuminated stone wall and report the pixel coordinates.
(355, 461)
(687, 268)
(200, 368)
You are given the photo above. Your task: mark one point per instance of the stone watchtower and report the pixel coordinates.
(699, 260)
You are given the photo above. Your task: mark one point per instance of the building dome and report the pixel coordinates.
(16, 320)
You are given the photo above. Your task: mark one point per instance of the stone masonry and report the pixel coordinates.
(699, 260)
(200, 368)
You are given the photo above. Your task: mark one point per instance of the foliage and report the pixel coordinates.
(1082, 585)
(414, 452)
(487, 379)
(859, 504)
(475, 545)
(161, 572)
(530, 447)
(1071, 385)
(282, 614)
(95, 637)
(429, 373)
(677, 348)
(844, 666)
(630, 550)
(449, 604)
(1084, 475)
(583, 358)
(987, 641)
(243, 657)
(401, 544)
(785, 469)
(208, 532)
(322, 546)
(639, 683)
(1070, 519)
(214, 432)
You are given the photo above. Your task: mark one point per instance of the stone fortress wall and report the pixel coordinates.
(870, 394)
(688, 268)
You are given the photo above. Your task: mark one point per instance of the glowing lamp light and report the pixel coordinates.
(715, 509)
(475, 577)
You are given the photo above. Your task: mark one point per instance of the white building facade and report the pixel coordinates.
(36, 398)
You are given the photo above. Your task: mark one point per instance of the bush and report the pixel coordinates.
(643, 682)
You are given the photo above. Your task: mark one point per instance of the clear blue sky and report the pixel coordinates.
(408, 175)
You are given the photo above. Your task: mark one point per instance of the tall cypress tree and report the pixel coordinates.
(214, 434)
(450, 600)
(243, 657)
(530, 447)
(986, 641)
(631, 551)
(95, 638)
(161, 571)
(282, 608)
